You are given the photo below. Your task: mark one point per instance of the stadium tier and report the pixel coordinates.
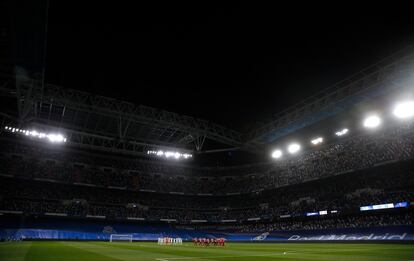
(361, 187)
(395, 143)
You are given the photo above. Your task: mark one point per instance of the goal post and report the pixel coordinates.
(120, 237)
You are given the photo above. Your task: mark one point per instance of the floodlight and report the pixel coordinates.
(52, 137)
(167, 154)
(293, 148)
(404, 109)
(277, 154)
(317, 141)
(372, 121)
(341, 132)
(55, 137)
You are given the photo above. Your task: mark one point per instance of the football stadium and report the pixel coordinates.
(126, 133)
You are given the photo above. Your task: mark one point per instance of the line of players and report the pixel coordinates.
(209, 241)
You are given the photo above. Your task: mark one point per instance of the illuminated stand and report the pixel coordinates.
(402, 110)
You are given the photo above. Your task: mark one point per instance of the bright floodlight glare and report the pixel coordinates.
(341, 132)
(167, 154)
(277, 154)
(55, 138)
(404, 109)
(317, 141)
(52, 137)
(293, 148)
(372, 121)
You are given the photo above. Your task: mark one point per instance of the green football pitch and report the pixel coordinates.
(79, 251)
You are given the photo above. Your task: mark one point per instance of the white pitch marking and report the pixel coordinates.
(228, 256)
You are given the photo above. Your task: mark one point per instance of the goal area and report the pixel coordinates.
(120, 237)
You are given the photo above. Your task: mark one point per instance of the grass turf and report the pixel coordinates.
(79, 251)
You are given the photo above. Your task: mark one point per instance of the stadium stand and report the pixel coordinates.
(108, 173)
(393, 144)
(339, 177)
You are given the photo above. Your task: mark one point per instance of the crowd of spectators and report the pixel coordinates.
(344, 193)
(357, 221)
(341, 176)
(360, 152)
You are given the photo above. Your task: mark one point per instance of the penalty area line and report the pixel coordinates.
(228, 256)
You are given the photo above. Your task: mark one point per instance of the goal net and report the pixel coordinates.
(119, 237)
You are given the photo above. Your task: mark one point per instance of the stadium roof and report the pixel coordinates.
(389, 74)
(103, 123)
(94, 120)
(112, 124)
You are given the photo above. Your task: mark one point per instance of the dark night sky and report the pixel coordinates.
(234, 64)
